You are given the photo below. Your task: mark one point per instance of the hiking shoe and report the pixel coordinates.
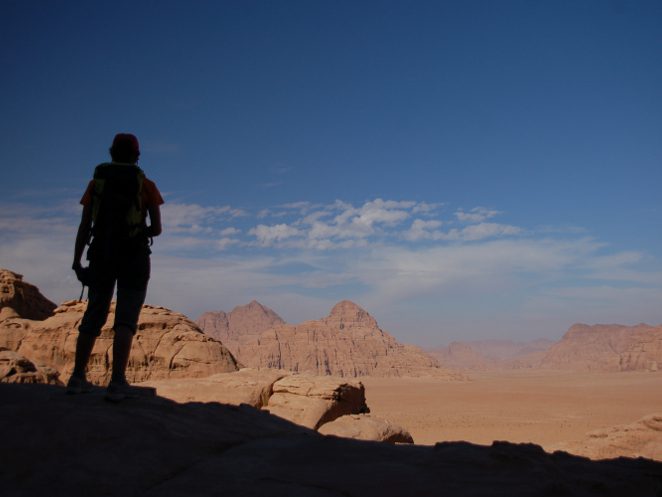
(118, 391)
(77, 385)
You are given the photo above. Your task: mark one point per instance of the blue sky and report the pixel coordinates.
(463, 170)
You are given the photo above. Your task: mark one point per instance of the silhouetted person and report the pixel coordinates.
(115, 208)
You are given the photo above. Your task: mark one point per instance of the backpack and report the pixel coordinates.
(118, 220)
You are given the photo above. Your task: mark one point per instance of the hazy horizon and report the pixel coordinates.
(462, 170)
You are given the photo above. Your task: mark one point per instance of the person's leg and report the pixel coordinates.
(84, 346)
(93, 320)
(121, 352)
(131, 291)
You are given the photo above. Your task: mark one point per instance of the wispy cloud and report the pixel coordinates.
(345, 225)
(268, 235)
(391, 255)
(476, 215)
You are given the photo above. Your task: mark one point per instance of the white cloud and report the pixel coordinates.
(423, 230)
(428, 230)
(230, 231)
(400, 273)
(268, 235)
(475, 215)
(193, 218)
(302, 206)
(481, 231)
(226, 242)
(339, 225)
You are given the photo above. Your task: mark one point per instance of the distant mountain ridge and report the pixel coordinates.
(347, 342)
(492, 354)
(600, 348)
(239, 326)
(607, 347)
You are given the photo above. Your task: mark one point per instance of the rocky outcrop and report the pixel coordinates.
(642, 438)
(607, 348)
(312, 402)
(347, 343)
(21, 299)
(366, 427)
(77, 446)
(246, 386)
(14, 368)
(167, 345)
(239, 326)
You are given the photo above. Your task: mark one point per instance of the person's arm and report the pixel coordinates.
(82, 236)
(154, 228)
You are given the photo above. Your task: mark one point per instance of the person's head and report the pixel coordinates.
(125, 148)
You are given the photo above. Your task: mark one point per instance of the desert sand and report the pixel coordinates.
(543, 407)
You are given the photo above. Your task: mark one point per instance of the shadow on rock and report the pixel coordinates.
(55, 444)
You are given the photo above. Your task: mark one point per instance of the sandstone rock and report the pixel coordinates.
(240, 325)
(8, 312)
(642, 438)
(347, 343)
(77, 446)
(309, 401)
(607, 348)
(14, 368)
(246, 386)
(18, 298)
(314, 401)
(166, 345)
(366, 427)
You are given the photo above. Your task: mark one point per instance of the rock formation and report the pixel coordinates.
(166, 345)
(21, 299)
(310, 401)
(14, 368)
(607, 348)
(347, 343)
(642, 438)
(77, 446)
(246, 386)
(366, 427)
(239, 326)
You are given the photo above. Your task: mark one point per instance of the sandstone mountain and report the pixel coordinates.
(241, 325)
(492, 354)
(167, 345)
(21, 299)
(76, 446)
(348, 342)
(607, 348)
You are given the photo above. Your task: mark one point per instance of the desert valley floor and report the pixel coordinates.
(543, 407)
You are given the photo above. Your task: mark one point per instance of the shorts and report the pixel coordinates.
(131, 274)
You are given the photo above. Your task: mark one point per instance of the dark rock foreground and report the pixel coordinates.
(54, 444)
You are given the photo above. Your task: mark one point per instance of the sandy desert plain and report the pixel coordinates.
(548, 408)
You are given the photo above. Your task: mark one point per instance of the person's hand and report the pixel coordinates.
(83, 274)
